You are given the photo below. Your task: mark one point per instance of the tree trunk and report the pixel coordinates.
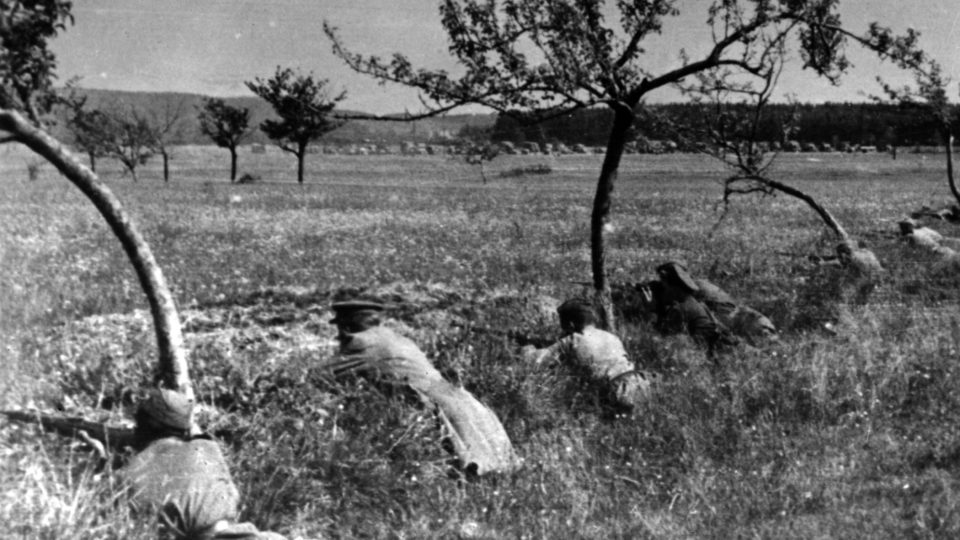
(824, 214)
(301, 156)
(623, 119)
(172, 360)
(166, 166)
(93, 161)
(233, 164)
(948, 139)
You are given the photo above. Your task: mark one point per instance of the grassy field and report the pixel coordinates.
(845, 434)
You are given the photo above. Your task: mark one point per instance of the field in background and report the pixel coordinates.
(844, 434)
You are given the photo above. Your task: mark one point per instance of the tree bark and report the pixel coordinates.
(233, 164)
(301, 156)
(166, 166)
(623, 119)
(172, 361)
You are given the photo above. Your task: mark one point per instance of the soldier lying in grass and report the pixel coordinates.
(743, 321)
(928, 239)
(675, 300)
(597, 355)
(176, 471)
(380, 354)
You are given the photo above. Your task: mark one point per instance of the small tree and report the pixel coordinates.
(732, 114)
(226, 126)
(303, 104)
(164, 126)
(476, 148)
(479, 152)
(86, 126)
(129, 138)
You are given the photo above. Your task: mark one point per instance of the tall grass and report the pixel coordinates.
(843, 434)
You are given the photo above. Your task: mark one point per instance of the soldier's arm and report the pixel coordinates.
(353, 358)
(545, 354)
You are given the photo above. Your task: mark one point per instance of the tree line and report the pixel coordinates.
(835, 124)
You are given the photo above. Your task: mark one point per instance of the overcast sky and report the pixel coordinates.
(211, 46)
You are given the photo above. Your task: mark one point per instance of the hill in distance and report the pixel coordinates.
(157, 104)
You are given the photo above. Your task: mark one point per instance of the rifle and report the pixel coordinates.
(516, 336)
(818, 260)
(113, 437)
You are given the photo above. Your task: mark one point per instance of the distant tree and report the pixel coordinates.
(85, 124)
(582, 61)
(128, 137)
(478, 152)
(226, 126)
(304, 105)
(26, 73)
(164, 125)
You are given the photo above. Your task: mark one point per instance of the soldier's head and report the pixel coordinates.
(846, 248)
(575, 315)
(165, 413)
(356, 315)
(675, 274)
(907, 226)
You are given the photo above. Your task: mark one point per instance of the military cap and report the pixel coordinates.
(577, 309)
(347, 310)
(169, 409)
(675, 273)
(907, 226)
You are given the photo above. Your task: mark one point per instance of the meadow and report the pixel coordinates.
(841, 431)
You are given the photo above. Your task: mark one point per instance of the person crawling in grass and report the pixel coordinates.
(681, 305)
(596, 355)
(377, 353)
(176, 472)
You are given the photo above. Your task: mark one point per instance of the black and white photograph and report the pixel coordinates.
(479, 269)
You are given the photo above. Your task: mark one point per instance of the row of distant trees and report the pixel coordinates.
(302, 104)
(880, 124)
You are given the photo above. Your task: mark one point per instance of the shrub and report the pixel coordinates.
(248, 178)
(540, 168)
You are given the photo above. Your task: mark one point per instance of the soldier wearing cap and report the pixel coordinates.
(181, 474)
(378, 353)
(925, 238)
(674, 300)
(597, 355)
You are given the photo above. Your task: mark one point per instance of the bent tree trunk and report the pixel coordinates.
(623, 119)
(824, 214)
(172, 361)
